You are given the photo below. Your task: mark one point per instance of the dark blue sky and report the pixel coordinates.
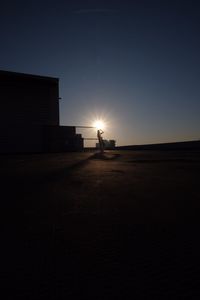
(136, 63)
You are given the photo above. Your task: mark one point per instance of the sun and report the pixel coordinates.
(99, 124)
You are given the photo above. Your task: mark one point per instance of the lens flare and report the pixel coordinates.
(99, 124)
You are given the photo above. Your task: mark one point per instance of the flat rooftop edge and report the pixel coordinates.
(27, 75)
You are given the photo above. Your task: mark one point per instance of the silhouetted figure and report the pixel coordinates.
(101, 143)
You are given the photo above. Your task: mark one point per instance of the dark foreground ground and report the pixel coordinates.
(77, 226)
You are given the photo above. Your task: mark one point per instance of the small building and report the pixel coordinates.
(29, 116)
(108, 144)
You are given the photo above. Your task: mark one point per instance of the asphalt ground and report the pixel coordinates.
(81, 226)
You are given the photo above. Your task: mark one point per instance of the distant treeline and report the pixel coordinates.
(191, 145)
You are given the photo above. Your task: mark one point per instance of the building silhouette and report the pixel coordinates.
(108, 144)
(29, 116)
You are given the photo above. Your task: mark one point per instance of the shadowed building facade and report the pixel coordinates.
(29, 116)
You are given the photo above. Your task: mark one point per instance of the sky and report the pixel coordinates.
(135, 64)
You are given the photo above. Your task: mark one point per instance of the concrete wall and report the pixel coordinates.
(28, 103)
(62, 138)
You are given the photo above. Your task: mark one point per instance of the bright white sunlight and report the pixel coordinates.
(99, 124)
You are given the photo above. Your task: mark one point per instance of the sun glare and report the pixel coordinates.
(99, 124)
